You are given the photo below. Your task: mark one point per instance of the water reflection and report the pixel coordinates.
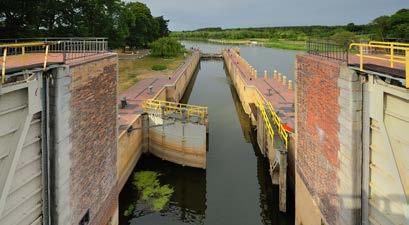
(187, 204)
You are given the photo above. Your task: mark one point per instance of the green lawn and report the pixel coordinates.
(133, 70)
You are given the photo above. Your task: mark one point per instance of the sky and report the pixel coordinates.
(194, 14)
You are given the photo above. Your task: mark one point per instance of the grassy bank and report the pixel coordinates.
(280, 44)
(133, 70)
(285, 44)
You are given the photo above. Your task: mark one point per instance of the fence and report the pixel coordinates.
(328, 50)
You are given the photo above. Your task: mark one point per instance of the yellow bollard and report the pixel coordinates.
(265, 74)
(290, 85)
(279, 77)
(275, 75)
(255, 73)
(284, 80)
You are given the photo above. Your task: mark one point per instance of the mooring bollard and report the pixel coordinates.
(124, 102)
(290, 85)
(284, 80)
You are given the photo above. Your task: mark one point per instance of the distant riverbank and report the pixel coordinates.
(280, 44)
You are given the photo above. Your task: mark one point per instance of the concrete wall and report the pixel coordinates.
(328, 122)
(183, 144)
(84, 144)
(130, 149)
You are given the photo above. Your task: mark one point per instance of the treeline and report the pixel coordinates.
(382, 28)
(125, 24)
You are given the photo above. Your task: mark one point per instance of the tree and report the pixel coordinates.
(343, 37)
(163, 26)
(142, 27)
(166, 47)
(124, 24)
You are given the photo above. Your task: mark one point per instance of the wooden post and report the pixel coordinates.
(283, 181)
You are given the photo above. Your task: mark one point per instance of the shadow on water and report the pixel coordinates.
(236, 187)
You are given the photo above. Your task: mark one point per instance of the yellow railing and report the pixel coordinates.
(179, 108)
(392, 56)
(280, 127)
(266, 121)
(20, 48)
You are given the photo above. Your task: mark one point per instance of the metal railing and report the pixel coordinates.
(167, 108)
(392, 52)
(266, 121)
(21, 48)
(280, 126)
(328, 49)
(70, 48)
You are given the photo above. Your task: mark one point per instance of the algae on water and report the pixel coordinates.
(152, 193)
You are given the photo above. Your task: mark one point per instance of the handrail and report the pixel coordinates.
(174, 107)
(17, 46)
(277, 122)
(391, 57)
(266, 121)
(389, 43)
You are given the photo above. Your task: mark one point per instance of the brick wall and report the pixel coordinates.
(317, 127)
(94, 138)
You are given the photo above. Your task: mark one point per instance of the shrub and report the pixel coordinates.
(166, 47)
(159, 67)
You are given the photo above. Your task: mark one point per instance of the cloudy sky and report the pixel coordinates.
(193, 14)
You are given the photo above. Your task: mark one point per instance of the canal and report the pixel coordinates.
(236, 187)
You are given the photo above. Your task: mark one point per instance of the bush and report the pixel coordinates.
(166, 47)
(159, 67)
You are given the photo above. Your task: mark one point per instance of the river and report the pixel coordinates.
(236, 187)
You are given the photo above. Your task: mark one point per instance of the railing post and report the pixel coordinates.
(392, 54)
(407, 67)
(3, 69)
(64, 52)
(46, 56)
(361, 58)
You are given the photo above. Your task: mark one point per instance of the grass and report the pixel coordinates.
(269, 43)
(133, 70)
(286, 44)
(159, 67)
